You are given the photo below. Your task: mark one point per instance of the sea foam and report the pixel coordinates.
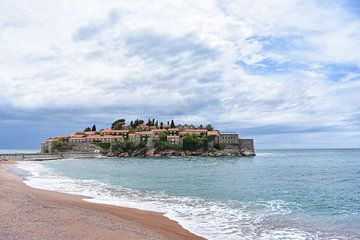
(213, 220)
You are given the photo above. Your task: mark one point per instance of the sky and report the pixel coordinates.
(284, 72)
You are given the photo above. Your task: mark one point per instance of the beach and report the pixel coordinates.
(28, 213)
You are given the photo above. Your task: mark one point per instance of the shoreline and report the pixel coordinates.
(29, 213)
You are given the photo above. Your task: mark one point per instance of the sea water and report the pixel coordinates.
(279, 194)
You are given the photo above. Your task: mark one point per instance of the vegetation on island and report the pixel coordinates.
(61, 145)
(148, 138)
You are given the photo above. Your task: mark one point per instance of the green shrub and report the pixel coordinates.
(194, 142)
(61, 144)
(104, 145)
(164, 145)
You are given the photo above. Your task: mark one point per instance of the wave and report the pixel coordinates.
(213, 220)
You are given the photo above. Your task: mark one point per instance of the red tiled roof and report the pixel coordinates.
(159, 130)
(193, 132)
(103, 137)
(61, 137)
(90, 132)
(196, 130)
(213, 133)
(144, 133)
(173, 137)
(108, 130)
(173, 129)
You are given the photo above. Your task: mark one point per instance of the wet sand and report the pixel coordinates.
(27, 213)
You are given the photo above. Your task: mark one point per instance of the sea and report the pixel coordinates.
(279, 194)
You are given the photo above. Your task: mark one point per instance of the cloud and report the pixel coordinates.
(237, 64)
(87, 32)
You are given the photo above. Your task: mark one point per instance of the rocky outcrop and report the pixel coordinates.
(144, 152)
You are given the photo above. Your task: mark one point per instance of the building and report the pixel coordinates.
(194, 132)
(229, 138)
(215, 134)
(143, 136)
(173, 131)
(88, 141)
(113, 132)
(174, 140)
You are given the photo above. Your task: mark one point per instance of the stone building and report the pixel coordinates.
(229, 138)
(174, 140)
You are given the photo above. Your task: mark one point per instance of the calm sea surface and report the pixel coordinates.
(279, 194)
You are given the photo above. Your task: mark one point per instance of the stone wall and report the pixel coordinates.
(247, 147)
(82, 147)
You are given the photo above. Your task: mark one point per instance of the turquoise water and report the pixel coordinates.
(279, 194)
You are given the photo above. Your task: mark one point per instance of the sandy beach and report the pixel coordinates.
(28, 213)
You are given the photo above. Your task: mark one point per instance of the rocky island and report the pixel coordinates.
(151, 139)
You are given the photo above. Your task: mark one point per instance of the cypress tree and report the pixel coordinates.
(93, 128)
(172, 124)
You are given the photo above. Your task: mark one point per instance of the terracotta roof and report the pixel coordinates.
(104, 137)
(77, 135)
(90, 132)
(109, 130)
(196, 130)
(144, 133)
(159, 130)
(213, 133)
(173, 137)
(173, 129)
(131, 134)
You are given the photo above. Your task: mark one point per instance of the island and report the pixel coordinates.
(151, 139)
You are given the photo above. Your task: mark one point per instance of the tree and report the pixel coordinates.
(87, 129)
(194, 142)
(209, 127)
(163, 136)
(201, 126)
(161, 125)
(172, 124)
(117, 125)
(149, 122)
(153, 122)
(156, 124)
(132, 123)
(93, 128)
(168, 123)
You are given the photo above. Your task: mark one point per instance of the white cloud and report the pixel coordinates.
(248, 63)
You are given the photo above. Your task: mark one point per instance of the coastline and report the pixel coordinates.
(29, 213)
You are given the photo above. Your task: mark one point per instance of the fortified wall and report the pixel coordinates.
(247, 147)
